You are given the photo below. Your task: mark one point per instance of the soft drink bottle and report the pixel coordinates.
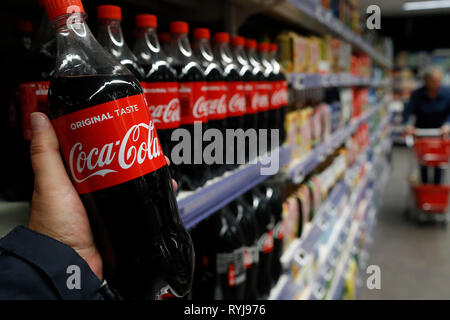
(260, 203)
(113, 155)
(110, 36)
(247, 76)
(160, 85)
(270, 83)
(194, 109)
(272, 193)
(246, 218)
(216, 89)
(236, 97)
(280, 96)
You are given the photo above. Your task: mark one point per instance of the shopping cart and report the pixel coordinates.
(430, 201)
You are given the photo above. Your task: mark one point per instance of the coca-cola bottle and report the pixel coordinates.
(270, 85)
(160, 84)
(223, 256)
(110, 36)
(216, 89)
(273, 196)
(247, 76)
(280, 96)
(236, 97)
(257, 199)
(261, 88)
(165, 40)
(246, 218)
(194, 109)
(113, 155)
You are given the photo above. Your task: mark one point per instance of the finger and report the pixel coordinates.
(167, 160)
(175, 185)
(48, 167)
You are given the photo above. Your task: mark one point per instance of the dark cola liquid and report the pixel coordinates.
(193, 175)
(250, 119)
(214, 75)
(246, 218)
(143, 243)
(163, 73)
(234, 123)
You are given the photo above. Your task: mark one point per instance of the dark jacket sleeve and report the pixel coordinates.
(34, 266)
(411, 108)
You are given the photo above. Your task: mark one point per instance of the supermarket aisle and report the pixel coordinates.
(414, 261)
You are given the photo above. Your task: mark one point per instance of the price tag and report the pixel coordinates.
(299, 81)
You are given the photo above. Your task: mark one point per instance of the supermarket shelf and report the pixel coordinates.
(301, 81)
(301, 168)
(217, 193)
(311, 15)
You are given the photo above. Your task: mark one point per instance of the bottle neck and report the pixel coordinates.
(110, 36)
(147, 47)
(223, 53)
(203, 52)
(241, 56)
(253, 58)
(264, 59)
(182, 51)
(78, 52)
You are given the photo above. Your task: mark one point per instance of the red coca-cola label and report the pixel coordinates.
(216, 93)
(163, 102)
(251, 98)
(193, 102)
(231, 275)
(268, 242)
(236, 99)
(284, 90)
(28, 105)
(278, 98)
(109, 144)
(262, 95)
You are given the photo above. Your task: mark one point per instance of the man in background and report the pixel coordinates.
(429, 108)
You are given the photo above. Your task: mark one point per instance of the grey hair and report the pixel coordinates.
(431, 70)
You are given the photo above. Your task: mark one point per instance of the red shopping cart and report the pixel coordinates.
(430, 200)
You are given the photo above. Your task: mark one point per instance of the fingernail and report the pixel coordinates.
(38, 121)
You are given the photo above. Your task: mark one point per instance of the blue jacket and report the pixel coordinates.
(429, 113)
(34, 266)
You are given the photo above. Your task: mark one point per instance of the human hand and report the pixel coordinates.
(56, 208)
(409, 131)
(445, 130)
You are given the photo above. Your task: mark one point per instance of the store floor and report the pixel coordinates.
(414, 260)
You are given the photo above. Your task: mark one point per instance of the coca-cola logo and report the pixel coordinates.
(140, 143)
(166, 113)
(262, 100)
(218, 106)
(236, 103)
(277, 98)
(200, 109)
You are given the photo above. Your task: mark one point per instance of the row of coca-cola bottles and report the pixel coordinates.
(238, 248)
(226, 83)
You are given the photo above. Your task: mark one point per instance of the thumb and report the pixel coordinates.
(48, 167)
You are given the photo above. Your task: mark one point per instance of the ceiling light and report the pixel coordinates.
(426, 5)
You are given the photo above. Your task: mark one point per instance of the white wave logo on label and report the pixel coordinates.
(200, 109)
(128, 154)
(166, 113)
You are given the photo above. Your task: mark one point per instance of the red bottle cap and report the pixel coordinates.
(164, 37)
(202, 33)
(250, 44)
(24, 26)
(179, 27)
(274, 47)
(146, 21)
(109, 12)
(222, 37)
(56, 8)
(238, 41)
(263, 46)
